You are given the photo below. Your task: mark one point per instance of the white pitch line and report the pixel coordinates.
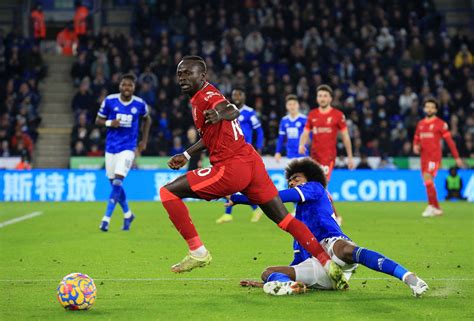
(215, 279)
(19, 219)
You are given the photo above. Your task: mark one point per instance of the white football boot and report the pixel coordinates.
(284, 288)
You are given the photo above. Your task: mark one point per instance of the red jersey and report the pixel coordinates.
(428, 134)
(325, 127)
(223, 140)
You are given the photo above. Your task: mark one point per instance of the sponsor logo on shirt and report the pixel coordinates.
(210, 94)
(427, 135)
(322, 130)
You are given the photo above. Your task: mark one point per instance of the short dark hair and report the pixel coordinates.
(431, 100)
(291, 97)
(198, 60)
(325, 88)
(311, 170)
(129, 76)
(239, 88)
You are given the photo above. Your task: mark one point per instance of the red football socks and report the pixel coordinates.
(304, 236)
(432, 196)
(179, 215)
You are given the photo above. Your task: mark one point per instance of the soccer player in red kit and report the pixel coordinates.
(429, 132)
(325, 123)
(236, 167)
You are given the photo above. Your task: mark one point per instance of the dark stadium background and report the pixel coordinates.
(382, 58)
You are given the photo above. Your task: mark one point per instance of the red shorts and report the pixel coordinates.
(247, 176)
(328, 166)
(430, 166)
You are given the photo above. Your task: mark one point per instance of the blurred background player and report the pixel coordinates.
(307, 183)
(290, 130)
(454, 185)
(325, 123)
(249, 123)
(121, 114)
(428, 135)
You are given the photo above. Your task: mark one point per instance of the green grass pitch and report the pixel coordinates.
(134, 282)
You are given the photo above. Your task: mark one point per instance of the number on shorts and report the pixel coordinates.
(325, 169)
(236, 128)
(203, 171)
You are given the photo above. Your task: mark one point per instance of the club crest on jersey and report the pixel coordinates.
(134, 110)
(329, 120)
(431, 126)
(210, 94)
(298, 124)
(116, 109)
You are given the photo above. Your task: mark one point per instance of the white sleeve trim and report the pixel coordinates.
(101, 115)
(301, 194)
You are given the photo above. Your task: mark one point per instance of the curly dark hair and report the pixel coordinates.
(310, 168)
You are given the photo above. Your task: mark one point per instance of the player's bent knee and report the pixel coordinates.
(343, 250)
(166, 195)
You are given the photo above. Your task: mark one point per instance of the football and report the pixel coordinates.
(77, 291)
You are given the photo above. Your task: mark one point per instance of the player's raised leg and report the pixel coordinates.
(171, 197)
(350, 253)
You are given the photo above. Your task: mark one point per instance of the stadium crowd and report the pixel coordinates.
(21, 67)
(381, 61)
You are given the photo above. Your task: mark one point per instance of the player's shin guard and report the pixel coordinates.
(179, 215)
(304, 236)
(114, 196)
(378, 262)
(432, 196)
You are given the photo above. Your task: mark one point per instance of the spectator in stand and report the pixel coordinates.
(81, 15)
(38, 25)
(364, 162)
(83, 100)
(22, 144)
(67, 41)
(24, 164)
(80, 69)
(79, 149)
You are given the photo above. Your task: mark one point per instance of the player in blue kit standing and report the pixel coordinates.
(290, 130)
(307, 182)
(249, 123)
(121, 114)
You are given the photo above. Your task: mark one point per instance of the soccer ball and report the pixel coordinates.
(77, 291)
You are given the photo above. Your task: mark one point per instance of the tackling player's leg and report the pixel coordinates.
(171, 197)
(350, 253)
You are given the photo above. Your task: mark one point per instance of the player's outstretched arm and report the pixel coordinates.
(146, 125)
(179, 160)
(222, 111)
(290, 195)
(304, 138)
(346, 140)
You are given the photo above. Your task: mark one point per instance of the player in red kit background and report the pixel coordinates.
(428, 135)
(236, 167)
(325, 123)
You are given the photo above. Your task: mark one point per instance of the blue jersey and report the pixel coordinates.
(129, 113)
(315, 210)
(249, 122)
(290, 131)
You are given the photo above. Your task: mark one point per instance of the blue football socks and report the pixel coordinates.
(277, 276)
(114, 196)
(378, 262)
